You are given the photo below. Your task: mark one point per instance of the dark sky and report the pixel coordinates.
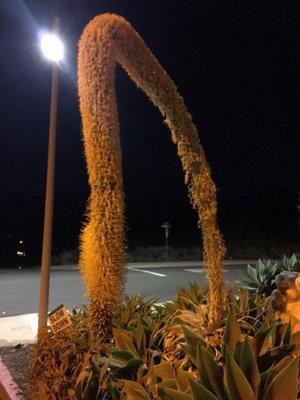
(235, 63)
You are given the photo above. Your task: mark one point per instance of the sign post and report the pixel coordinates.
(166, 226)
(59, 320)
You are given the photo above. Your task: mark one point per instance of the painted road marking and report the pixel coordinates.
(146, 272)
(201, 270)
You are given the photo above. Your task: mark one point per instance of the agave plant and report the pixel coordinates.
(261, 367)
(261, 278)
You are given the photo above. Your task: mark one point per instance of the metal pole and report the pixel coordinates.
(48, 216)
(167, 250)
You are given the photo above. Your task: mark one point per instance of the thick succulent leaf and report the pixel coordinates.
(238, 387)
(168, 383)
(200, 392)
(140, 338)
(131, 366)
(134, 391)
(258, 341)
(210, 373)
(175, 394)
(252, 274)
(284, 386)
(191, 338)
(124, 342)
(182, 380)
(274, 355)
(249, 367)
(113, 362)
(236, 352)
(192, 354)
(123, 355)
(164, 370)
(280, 366)
(232, 331)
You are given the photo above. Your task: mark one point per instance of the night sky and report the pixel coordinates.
(234, 63)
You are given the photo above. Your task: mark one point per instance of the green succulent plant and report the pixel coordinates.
(261, 277)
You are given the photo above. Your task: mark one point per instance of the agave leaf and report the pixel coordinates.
(274, 355)
(175, 394)
(275, 369)
(284, 386)
(113, 392)
(124, 342)
(244, 300)
(164, 370)
(210, 373)
(190, 318)
(134, 390)
(192, 341)
(237, 352)
(249, 366)
(131, 366)
(200, 392)
(140, 338)
(113, 362)
(237, 385)
(232, 332)
(169, 383)
(124, 355)
(191, 338)
(257, 342)
(182, 380)
(252, 272)
(191, 353)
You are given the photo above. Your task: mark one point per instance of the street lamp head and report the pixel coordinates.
(52, 47)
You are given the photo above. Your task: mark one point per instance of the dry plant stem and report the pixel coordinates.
(109, 39)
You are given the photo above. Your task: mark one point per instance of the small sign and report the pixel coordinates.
(166, 226)
(59, 319)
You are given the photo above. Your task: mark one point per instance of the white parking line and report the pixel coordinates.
(146, 272)
(201, 270)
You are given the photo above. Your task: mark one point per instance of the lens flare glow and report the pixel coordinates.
(52, 47)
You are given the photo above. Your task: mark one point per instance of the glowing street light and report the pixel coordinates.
(53, 49)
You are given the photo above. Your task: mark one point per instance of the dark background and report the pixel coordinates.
(234, 63)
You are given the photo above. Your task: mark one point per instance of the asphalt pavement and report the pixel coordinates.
(19, 289)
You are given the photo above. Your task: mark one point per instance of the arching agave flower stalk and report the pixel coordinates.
(109, 39)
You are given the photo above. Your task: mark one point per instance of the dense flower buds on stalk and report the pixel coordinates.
(109, 39)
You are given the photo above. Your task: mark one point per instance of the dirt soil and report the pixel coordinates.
(17, 360)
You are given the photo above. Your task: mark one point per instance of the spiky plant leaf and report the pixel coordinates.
(164, 370)
(174, 394)
(232, 332)
(237, 385)
(134, 390)
(249, 366)
(124, 355)
(284, 386)
(200, 392)
(124, 342)
(209, 372)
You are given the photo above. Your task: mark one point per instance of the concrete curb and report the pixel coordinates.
(9, 390)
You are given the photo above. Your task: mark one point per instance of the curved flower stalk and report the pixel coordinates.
(109, 39)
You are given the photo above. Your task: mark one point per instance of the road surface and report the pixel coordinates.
(19, 289)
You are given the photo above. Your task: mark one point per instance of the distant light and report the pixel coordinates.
(21, 241)
(52, 47)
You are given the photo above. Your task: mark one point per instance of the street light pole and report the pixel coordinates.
(166, 226)
(48, 216)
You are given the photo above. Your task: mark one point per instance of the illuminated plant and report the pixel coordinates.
(109, 39)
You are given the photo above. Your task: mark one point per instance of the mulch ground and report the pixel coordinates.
(17, 360)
